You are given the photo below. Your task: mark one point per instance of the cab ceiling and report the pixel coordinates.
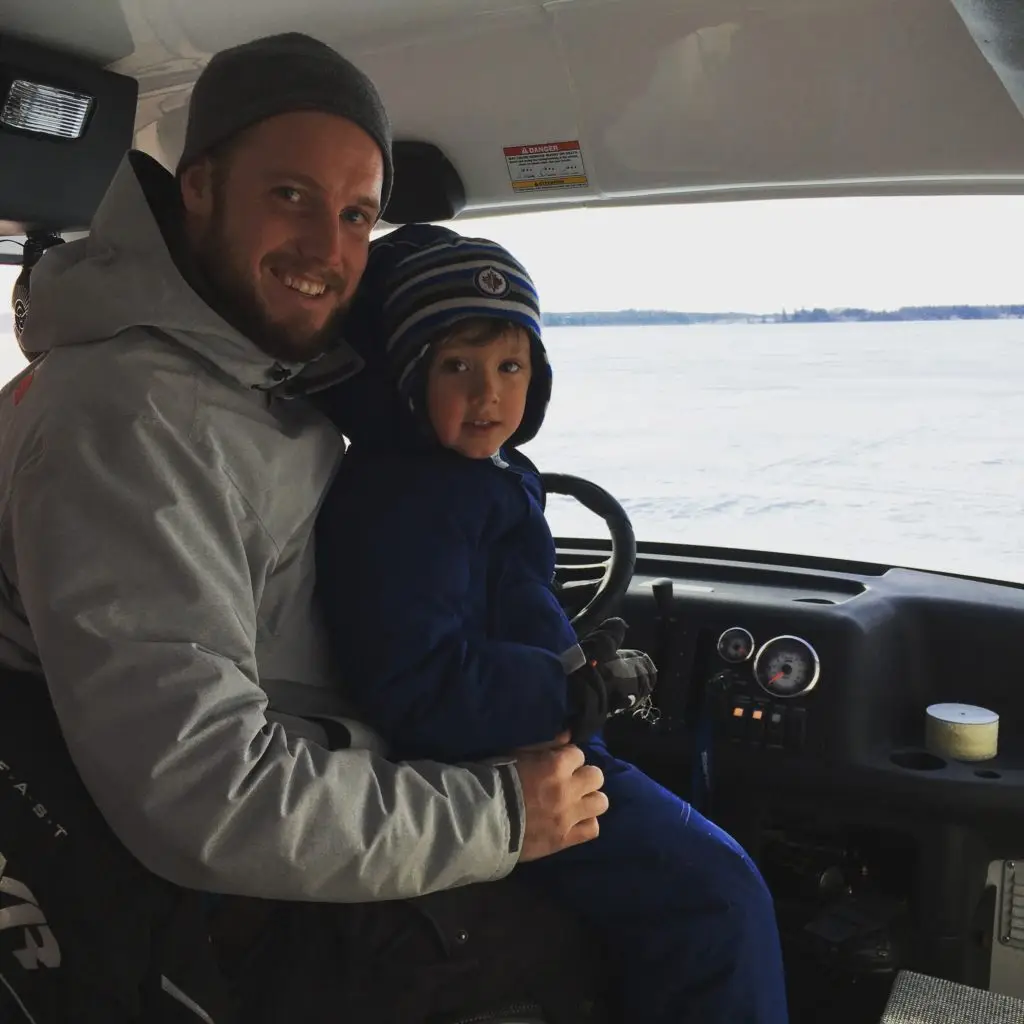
(668, 99)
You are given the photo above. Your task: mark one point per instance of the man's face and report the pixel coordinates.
(279, 226)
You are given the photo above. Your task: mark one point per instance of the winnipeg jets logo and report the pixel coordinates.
(492, 282)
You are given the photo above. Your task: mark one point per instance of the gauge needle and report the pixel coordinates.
(775, 678)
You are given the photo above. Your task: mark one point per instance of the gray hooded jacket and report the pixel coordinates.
(157, 500)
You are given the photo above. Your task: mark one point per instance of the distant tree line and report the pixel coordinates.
(635, 317)
(903, 313)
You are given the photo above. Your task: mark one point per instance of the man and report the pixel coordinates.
(160, 473)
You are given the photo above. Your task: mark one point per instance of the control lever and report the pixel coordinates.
(662, 590)
(695, 723)
(671, 688)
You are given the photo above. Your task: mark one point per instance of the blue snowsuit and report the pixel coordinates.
(435, 572)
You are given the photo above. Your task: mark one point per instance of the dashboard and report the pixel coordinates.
(815, 682)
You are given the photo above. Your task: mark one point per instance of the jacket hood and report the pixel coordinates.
(123, 276)
(420, 281)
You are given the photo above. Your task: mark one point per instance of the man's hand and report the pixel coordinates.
(563, 800)
(559, 741)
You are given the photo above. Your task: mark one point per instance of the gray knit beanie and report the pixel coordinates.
(280, 75)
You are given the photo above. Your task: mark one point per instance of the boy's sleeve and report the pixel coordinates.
(396, 547)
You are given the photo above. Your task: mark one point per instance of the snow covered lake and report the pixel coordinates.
(890, 442)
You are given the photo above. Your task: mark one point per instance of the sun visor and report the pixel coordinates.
(65, 124)
(427, 187)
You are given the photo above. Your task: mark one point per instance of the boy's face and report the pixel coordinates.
(476, 389)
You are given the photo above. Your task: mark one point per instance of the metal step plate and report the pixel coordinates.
(919, 999)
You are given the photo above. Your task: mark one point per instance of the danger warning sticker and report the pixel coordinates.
(546, 166)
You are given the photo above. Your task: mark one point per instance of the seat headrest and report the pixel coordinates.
(427, 186)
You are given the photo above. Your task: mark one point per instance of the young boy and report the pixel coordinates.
(435, 567)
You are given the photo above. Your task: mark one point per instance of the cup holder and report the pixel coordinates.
(917, 761)
(987, 773)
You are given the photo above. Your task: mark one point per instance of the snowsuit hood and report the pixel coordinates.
(420, 282)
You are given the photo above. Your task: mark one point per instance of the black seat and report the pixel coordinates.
(64, 877)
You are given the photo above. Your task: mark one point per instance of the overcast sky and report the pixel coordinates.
(759, 257)
(754, 256)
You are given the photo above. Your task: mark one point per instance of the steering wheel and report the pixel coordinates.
(609, 578)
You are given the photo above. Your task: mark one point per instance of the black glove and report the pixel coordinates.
(605, 680)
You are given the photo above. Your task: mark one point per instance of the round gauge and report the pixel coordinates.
(787, 667)
(735, 645)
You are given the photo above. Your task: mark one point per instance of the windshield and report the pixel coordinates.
(785, 413)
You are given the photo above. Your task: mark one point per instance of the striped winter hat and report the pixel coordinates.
(421, 280)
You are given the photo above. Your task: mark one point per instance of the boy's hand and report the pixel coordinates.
(602, 644)
(630, 677)
(610, 681)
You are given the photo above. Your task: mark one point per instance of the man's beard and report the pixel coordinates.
(235, 299)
